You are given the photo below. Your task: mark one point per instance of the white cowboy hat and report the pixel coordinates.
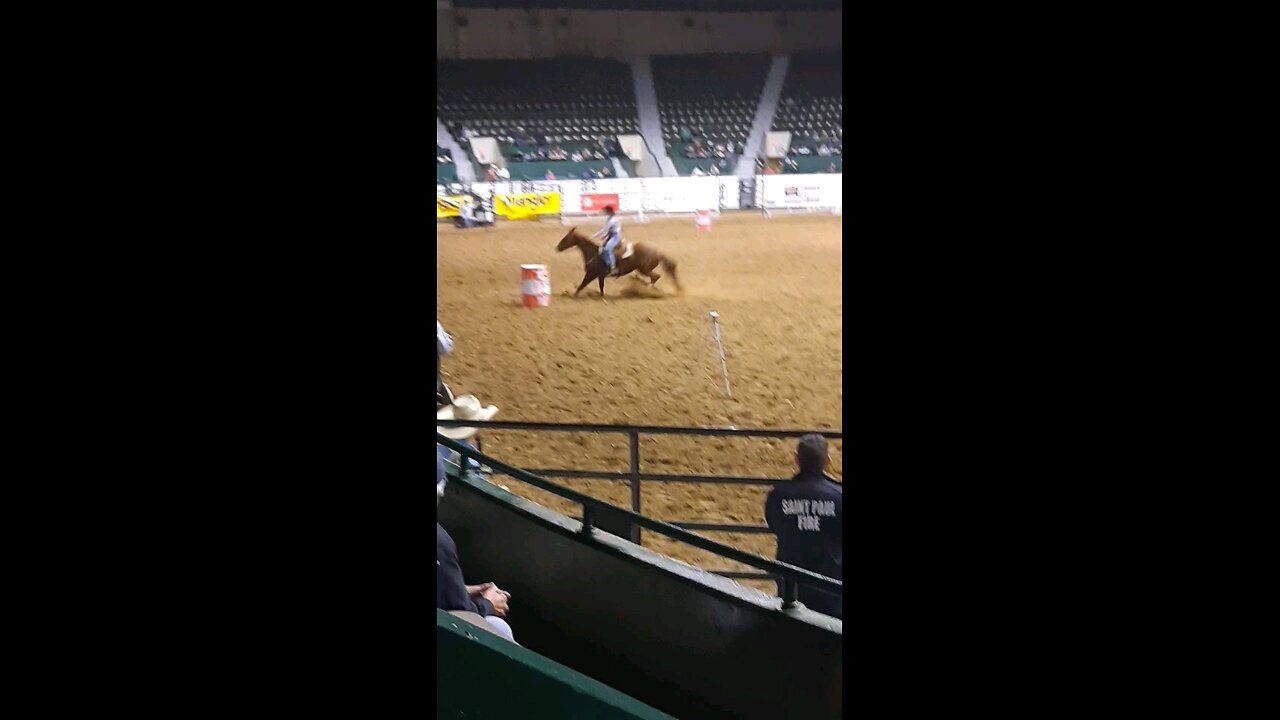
(464, 407)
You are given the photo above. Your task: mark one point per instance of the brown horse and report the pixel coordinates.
(644, 260)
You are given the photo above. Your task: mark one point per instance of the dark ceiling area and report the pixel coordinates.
(658, 5)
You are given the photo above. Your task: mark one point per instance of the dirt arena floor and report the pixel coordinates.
(646, 356)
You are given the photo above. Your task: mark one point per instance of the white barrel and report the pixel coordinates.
(535, 286)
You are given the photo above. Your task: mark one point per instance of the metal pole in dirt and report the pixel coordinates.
(724, 366)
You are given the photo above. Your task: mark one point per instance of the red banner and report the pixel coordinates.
(596, 203)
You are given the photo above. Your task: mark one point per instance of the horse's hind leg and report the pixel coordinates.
(602, 287)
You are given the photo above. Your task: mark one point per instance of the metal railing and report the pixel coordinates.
(791, 577)
(636, 477)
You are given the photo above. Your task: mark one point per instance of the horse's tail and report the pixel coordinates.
(670, 266)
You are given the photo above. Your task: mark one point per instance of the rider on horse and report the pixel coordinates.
(612, 231)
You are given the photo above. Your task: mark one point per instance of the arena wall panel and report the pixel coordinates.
(683, 194)
(679, 639)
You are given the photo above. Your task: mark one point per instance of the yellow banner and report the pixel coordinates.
(447, 205)
(526, 205)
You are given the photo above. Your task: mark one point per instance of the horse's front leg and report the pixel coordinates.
(601, 286)
(586, 280)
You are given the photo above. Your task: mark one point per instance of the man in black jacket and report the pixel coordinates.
(807, 515)
(486, 600)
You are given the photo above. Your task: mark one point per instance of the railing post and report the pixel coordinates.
(588, 520)
(634, 437)
(789, 590)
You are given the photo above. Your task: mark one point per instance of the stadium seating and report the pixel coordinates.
(815, 164)
(713, 97)
(533, 105)
(812, 108)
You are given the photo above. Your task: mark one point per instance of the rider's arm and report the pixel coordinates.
(444, 343)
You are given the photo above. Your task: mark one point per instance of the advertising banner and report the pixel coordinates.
(801, 191)
(596, 202)
(809, 194)
(526, 205)
(447, 205)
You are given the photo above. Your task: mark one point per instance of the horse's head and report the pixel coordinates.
(569, 239)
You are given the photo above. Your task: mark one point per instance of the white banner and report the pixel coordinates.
(681, 194)
(633, 147)
(802, 191)
(777, 143)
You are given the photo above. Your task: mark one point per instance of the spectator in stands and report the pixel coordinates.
(685, 135)
(688, 151)
(492, 173)
(486, 600)
(715, 170)
(807, 515)
(504, 173)
(824, 150)
(804, 150)
(697, 171)
(769, 170)
(831, 168)
(605, 171)
(575, 157)
(550, 175)
(790, 165)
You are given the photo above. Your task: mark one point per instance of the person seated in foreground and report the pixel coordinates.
(486, 599)
(464, 407)
(807, 515)
(444, 346)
